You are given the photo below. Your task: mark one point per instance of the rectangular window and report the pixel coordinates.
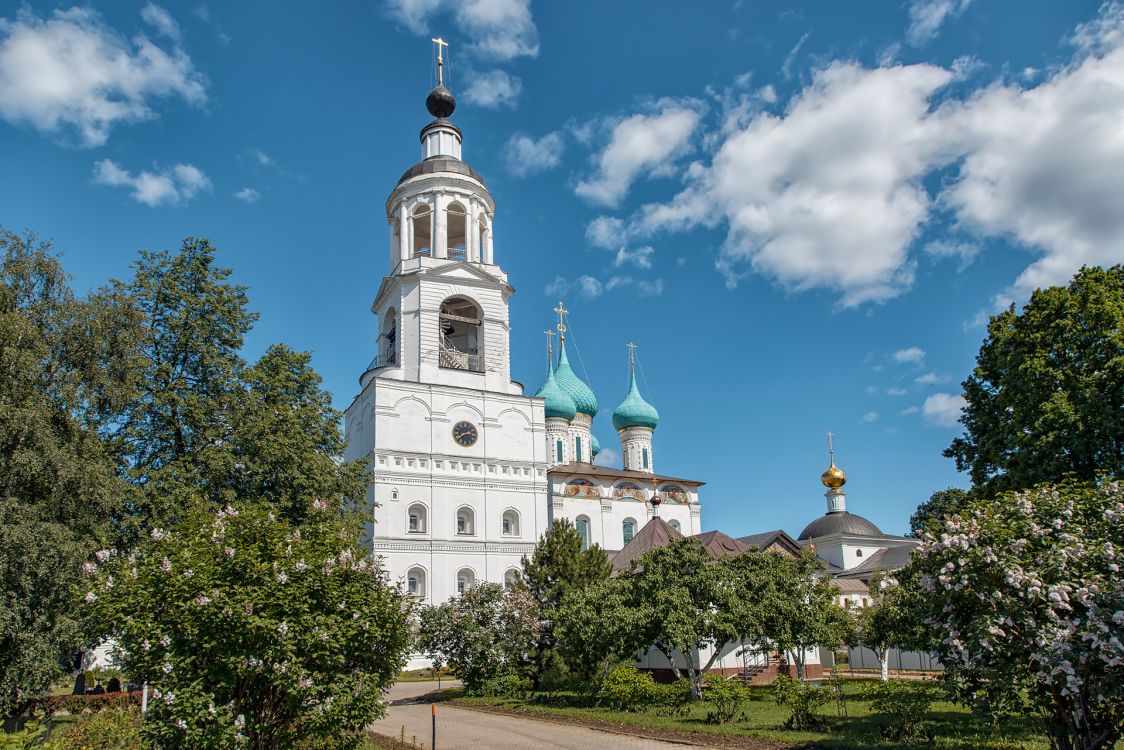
(578, 448)
(558, 451)
(645, 458)
(507, 526)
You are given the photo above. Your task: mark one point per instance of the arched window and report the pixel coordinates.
(558, 450)
(466, 521)
(415, 519)
(510, 522)
(456, 228)
(510, 578)
(629, 527)
(481, 238)
(675, 525)
(582, 525)
(423, 231)
(415, 582)
(645, 458)
(388, 340)
(858, 553)
(578, 448)
(460, 335)
(465, 579)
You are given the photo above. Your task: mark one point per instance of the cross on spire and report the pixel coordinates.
(549, 347)
(830, 447)
(440, 60)
(631, 356)
(562, 311)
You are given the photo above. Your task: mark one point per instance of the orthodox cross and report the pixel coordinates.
(549, 346)
(440, 60)
(631, 356)
(561, 323)
(830, 449)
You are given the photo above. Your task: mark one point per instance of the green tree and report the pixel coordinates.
(1024, 601)
(798, 610)
(890, 621)
(482, 634)
(254, 632)
(63, 368)
(940, 505)
(1046, 398)
(596, 627)
(557, 567)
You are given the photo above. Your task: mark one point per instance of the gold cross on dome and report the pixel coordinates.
(440, 59)
(561, 322)
(830, 448)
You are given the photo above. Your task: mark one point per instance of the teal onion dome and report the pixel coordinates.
(559, 405)
(583, 397)
(634, 411)
(594, 445)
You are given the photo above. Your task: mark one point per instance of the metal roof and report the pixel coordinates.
(436, 164)
(839, 523)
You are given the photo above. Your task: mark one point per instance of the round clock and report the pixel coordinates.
(465, 434)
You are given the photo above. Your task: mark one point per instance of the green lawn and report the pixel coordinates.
(953, 726)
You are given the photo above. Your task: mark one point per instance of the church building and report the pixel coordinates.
(468, 471)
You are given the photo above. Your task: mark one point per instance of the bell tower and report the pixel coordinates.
(443, 307)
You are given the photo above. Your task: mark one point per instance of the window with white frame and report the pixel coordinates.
(465, 579)
(466, 521)
(415, 582)
(415, 519)
(629, 528)
(582, 525)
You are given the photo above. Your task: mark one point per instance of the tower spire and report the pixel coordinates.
(562, 311)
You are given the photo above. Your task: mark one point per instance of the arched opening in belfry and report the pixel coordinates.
(423, 231)
(460, 335)
(482, 240)
(457, 232)
(388, 339)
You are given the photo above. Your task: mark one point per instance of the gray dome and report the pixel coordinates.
(839, 523)
(441, 164)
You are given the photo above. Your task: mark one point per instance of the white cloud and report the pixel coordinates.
(161, 20)
(248, 195)
(931, 378)
(179, 184)
(869, 417)
(557, 287)
(913, 355)
(524, 155)
(262, 157)
(827, 194)
(790, 58)
(589, 286)
(496, 29)
(71, 71)
(927, 16)
(909, 410)
(640, 145)
(896, 391)
(831, 193)
(493, 89)
(641, 257)
(966, 252)
(604, 231)
(943, 409)
(607, 457)
(650, 288)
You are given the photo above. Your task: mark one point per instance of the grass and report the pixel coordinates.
(953, 726)
(424, 675)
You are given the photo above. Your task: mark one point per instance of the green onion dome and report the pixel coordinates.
(634, 411)
(559, 405)
(583, 397)
(594, 445)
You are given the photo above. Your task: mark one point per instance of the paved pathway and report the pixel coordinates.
(462, 729)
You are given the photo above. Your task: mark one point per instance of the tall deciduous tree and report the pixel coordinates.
(557, 567)
(1025, 600)
(1046, 398)
(63, 368)
(940, 505)
(890, 621)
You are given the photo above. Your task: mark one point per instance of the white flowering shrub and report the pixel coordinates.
(1025, 599)
(253, 632)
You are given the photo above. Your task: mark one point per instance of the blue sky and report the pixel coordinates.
(801, 216)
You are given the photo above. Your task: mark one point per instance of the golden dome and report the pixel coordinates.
(834, 477)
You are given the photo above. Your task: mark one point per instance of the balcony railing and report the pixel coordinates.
(387, 358)
(458, 360)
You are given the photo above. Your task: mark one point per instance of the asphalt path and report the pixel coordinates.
(463, 729)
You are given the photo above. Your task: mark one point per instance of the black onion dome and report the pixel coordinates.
(441, 102)
(844, 523)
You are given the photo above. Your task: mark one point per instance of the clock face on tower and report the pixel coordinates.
(465, 434)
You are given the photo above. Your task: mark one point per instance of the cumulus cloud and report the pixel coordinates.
(161, 20)
(171, 186)
(912, 355)
(831, 193)
(591, 286)
(493, 89)
(524, 155)
(869, 417)
(641, 257)
(604, 231)
(927, 16)
(261, 157)
(943, 409)
(896, 391)
(931, 378)
(248, 195)
(642, 144)
(70, 71)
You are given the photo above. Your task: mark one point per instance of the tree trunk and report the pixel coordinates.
(884, 663)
